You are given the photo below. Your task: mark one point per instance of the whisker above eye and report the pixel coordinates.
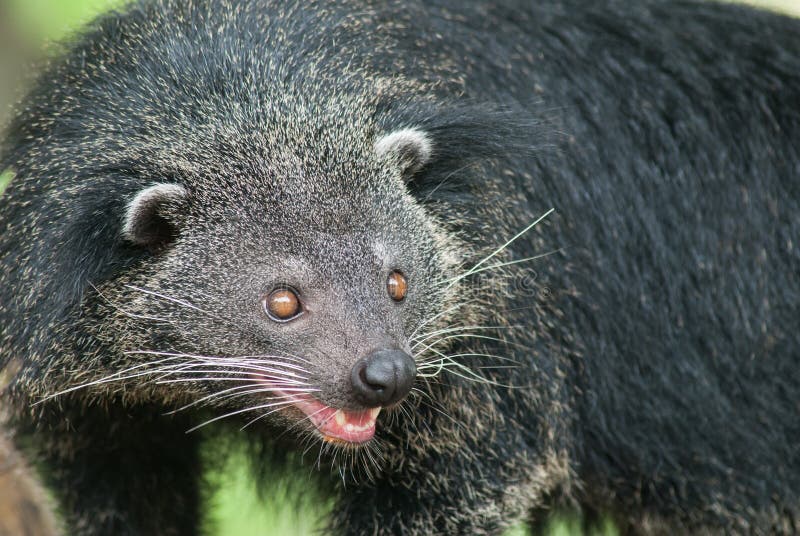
(177, 301)
(123, 311)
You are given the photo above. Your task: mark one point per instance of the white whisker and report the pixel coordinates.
(501, 248)
(474, 354)
(114, 377)
(169, 298)
(422, 338)
(281, 401)
(440, 313)
(214, 396)
(503, 264)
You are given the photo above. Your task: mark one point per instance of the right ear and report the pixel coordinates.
(151, 217)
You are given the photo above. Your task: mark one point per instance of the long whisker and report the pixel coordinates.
(473, 354)
(445, 179)
(125, 312)
(116, 376)
(213, 396)
(439, 314)
(484, 337)
(504, 246)
(265, 372)
(447, 364)
(234, 368)
(503, 264)
(428, 400)
(260, 358)
(178, 366)
(280, 401)
(184, 303)
(230, 393)
(216, 379)
(422, 338)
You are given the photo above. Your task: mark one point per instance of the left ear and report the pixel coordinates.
(409, 148)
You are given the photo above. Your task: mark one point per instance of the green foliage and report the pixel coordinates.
(5, 178)
(235, 508)
(54, 19)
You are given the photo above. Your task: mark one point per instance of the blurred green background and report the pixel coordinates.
(27, 27)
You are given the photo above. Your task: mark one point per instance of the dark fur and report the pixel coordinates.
(658, 350)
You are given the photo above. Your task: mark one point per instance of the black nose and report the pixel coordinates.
(383, 377)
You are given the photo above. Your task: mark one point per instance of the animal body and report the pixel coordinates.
(478, 258)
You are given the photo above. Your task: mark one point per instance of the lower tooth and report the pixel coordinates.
(340, 418)
(374, 412)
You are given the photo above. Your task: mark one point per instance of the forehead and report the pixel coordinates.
(327, 208)
(357, 250)
(361, 213)
(381, 240)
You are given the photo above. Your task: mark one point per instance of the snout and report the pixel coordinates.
(383, 378)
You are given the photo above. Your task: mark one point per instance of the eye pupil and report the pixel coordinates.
(397, 286)
(282, 304)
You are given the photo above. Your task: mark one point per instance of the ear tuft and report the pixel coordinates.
(150, 217)
(411, 148)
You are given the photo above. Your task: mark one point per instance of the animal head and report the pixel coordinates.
(293, 277)
(234, 225)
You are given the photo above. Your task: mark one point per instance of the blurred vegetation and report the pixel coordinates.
(5, 178)
(53, 19)
(235, 507)
(26, 29)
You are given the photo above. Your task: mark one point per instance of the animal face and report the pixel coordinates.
(295, 291)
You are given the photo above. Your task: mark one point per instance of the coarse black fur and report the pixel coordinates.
(647, 367)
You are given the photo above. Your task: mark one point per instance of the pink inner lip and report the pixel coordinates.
(342, 425)
(334, 424)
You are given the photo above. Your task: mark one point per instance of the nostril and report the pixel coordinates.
(362, 375)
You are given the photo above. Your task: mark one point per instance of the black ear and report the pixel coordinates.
(408, 148)
(152, 216)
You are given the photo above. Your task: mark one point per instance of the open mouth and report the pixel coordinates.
(334, 424)
(338, 424)
(382, 379)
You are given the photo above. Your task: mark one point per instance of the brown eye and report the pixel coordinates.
(397, 286)
(282, 304)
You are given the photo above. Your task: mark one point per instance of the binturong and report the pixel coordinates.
(480, 260)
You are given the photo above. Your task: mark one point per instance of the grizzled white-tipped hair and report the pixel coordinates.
(145, 221)
(410, 147)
